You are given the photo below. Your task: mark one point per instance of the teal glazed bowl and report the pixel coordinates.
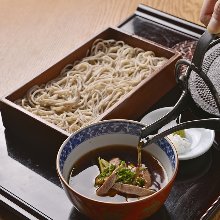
(100, 135)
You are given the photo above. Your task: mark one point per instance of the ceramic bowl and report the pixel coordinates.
(114, 132)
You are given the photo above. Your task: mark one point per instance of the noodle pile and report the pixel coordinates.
(85, 89)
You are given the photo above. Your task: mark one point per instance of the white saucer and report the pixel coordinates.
(153, 116)
(201, 139)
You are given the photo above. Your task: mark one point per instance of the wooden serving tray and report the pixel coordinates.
(33, 129)
(29, 185)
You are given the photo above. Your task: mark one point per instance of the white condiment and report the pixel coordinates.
(182, 145)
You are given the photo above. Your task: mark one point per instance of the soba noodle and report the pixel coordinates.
(87, 88)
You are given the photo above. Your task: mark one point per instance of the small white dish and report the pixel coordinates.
(153, 116)
(200, 139)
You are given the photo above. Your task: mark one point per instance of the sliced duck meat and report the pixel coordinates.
(115, 161)
(107, 185)
(132, 190)
(147, 178)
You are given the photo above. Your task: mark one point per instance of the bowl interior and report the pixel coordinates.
(108, 133)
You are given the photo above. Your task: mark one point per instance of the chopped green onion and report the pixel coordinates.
(139, 181)
(181, 133)
(100, 179)
(103, 164)
(125, 175)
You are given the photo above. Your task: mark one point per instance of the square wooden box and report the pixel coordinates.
(42, 134)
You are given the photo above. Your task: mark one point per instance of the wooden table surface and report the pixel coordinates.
(35, 34)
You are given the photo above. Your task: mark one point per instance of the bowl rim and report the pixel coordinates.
(111, 203)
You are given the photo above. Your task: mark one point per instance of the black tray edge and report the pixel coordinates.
(171, 21)
(212, 210)
(20, 207)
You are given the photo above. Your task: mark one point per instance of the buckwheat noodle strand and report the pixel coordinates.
(87, 88)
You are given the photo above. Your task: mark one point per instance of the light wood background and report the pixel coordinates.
(35, 34)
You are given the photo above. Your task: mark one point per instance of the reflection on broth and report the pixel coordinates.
(111, 174)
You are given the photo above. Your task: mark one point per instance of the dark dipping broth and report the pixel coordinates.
(85, 170)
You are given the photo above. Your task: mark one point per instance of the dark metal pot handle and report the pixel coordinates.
(150, 133)
(212, 124)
